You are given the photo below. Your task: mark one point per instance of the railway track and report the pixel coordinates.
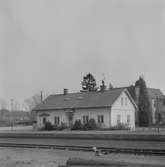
(104, 150)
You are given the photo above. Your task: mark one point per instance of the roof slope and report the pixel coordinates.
(153, 93)
(80, 100)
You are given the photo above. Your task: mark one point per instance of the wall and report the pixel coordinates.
(93, 113)
(60, 113)
(123, 111)
(110, 115)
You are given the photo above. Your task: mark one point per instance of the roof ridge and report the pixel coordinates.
(90, 99)
(113, 89)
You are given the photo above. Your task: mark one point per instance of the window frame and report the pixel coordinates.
(85, 119)
(128, 118)
(44, 120)
(100, 118)
(56, 120)
(118, 119)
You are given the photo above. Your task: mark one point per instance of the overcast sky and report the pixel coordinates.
(50, 44)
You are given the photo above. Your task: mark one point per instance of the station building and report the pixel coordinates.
(108, 108)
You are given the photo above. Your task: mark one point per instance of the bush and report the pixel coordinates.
(120, 126)
(62, 126)
(48, 126)
(77, 125)
(91, 125)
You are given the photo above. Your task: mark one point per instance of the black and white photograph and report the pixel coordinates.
(82, 83)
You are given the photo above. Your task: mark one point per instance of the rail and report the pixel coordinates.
(103, 150)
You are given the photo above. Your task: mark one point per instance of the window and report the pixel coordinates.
(56, 120)
(128, 119)
(118, 119)
(126, 101)
(100, 119)
(44, 120)
(85, 119)
(122, 101)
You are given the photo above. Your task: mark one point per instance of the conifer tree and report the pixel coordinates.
(144, 104)
(89, 83)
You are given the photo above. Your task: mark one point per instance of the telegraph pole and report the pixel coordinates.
(11, 117)
(41, 96)
(158, 114)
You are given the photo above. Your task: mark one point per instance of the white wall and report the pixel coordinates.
(110, 115)
(123, 111)
(78, 114)
(93, 113)
(59, 113)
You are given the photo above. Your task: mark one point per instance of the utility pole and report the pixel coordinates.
(158, 114)
(41, 96)
(11, 117)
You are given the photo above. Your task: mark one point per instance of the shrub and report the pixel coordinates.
(101, 126)
(91, 125)
(48, 126)
(120, 126)
(62, 126)
(77, 125)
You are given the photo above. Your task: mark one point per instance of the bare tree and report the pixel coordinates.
(3, 104)
(33, 101)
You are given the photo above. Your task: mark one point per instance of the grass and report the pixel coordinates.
(52, 158)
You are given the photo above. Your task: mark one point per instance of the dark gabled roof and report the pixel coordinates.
(154, 93)
(80, 100)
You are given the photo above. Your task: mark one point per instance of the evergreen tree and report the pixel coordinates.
(144, 104)
(89, 83)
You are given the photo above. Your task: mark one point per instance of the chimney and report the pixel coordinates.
(65, 91)
(102, 87)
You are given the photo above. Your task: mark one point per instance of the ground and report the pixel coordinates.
(29, 129)
(12, 157)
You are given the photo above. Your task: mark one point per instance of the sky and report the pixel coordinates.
(49, 45)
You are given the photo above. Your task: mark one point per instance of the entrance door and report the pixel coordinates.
(44, 120)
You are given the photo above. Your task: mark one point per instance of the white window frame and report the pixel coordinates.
(118, 119)
(56, 120)
(85, 119)
(100, 118)
(128, 119)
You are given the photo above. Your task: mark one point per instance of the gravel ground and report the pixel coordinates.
(12, 157)
(28, 129)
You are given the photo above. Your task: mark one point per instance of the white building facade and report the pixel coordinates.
(108, 109)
